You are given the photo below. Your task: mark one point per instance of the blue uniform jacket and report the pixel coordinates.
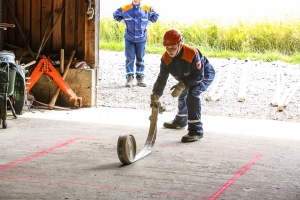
(184, 67)
(136, 18)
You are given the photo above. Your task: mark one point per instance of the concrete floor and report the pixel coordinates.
(72, 155)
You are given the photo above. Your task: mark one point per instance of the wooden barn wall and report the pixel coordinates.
(70, 32)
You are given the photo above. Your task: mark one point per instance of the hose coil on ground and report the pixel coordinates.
(126, 147)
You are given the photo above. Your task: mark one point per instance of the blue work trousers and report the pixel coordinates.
(189, 110)
(135, 51)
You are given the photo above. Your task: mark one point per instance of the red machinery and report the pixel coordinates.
(45, 67)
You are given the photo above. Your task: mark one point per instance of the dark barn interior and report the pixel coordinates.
(48, 28)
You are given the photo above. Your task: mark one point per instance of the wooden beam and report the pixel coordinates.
(20, 18)
(80, 29)
(286, 98)
(35, 24)
(225, 86)
(69, 26)
(27, 20)
(57, 42)
(215, 84)
(90, 40)
(279, 84)
(45, 16)
(11, 33)
(243, 80)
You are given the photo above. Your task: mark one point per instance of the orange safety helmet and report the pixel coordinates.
(172, 37)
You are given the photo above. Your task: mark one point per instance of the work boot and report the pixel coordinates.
(129, 81)
(140, 81)
(191, 138)
(172, 124)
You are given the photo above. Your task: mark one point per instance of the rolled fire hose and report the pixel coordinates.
(126, 147)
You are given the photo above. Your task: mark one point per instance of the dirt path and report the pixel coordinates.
(261, 87)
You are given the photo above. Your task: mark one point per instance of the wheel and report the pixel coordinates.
(4, 125)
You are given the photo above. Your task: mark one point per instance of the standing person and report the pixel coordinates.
(137, 18)
(194, 74)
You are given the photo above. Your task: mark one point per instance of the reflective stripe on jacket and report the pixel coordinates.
(136, 18)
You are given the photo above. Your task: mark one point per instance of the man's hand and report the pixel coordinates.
(154, 100)
(177, 89)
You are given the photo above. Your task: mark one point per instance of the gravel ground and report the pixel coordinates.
(261, 87)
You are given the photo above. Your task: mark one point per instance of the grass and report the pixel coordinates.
(266, 41)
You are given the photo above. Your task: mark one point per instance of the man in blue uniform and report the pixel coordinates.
(137, 18)
(194, 74)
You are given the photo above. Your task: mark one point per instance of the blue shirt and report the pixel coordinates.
(136, 18)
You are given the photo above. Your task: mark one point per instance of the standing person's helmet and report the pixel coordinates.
(172, 37)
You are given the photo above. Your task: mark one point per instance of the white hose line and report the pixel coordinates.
(126, 147)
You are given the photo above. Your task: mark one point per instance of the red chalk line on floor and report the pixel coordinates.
(218, 193)
(240, 173)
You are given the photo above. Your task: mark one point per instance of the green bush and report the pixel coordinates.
(265, 41)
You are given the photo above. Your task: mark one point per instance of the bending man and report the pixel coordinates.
(194, 74)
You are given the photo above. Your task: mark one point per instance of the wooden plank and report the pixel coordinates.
(27, 17)
(20, 18)
(288, 94)
(73, 30)
(5, 10)
(76, 24)
(90, 48)
(45, 15)
(215, 84)
(18, 26)
(10, 20)
(217, 95)
(291, 94)
(280, 83)
(69, 34)
(225, 86)
(243, 80)
(57, 42)
(80, 29)
(281, 103)
(96, 63)
(35, 24)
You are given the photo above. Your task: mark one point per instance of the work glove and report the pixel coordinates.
(154, 100)
(177, 89)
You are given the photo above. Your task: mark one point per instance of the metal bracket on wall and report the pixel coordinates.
(90, 11)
